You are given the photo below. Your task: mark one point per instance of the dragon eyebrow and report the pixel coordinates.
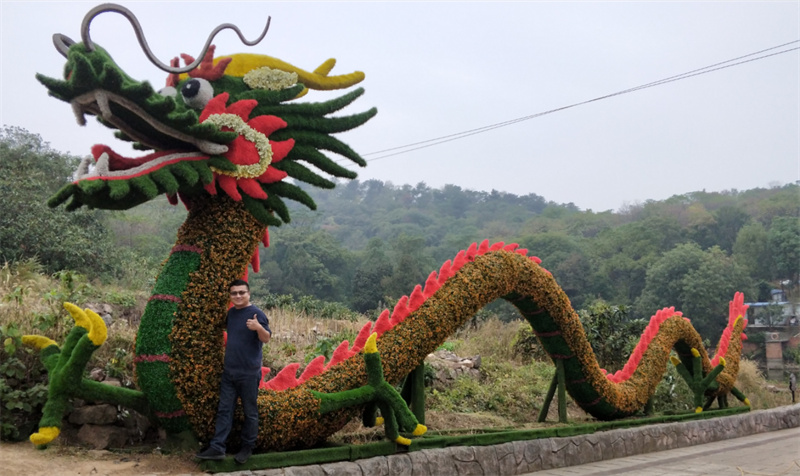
(62, 42)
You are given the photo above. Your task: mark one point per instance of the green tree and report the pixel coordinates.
(31, 172)
(624, 253)
(751, 250)
(411, 265)
(698, 283)
(784, 246)
(782, 202)
(302, 261)
(612, 333)
(564, 256)
(374, 268)
(728, 221)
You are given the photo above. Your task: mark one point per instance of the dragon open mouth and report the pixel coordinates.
(105, 164)
(140, 126)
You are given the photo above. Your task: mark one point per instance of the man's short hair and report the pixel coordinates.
(239, 282)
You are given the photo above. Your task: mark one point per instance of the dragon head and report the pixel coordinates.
(221, 125)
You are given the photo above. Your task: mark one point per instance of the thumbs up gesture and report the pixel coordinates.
(253, 323)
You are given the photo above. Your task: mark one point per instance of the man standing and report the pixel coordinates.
(248, 329)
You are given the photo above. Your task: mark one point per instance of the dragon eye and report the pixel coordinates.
(168, 91)
(197, 92)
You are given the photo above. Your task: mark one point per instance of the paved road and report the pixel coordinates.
(775, 453)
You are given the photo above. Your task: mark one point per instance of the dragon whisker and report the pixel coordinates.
(62, 42)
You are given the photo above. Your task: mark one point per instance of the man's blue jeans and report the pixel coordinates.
(233, 386)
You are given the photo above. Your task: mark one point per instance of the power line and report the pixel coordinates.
(696, 72)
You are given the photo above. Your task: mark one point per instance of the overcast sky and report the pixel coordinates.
(435, 69)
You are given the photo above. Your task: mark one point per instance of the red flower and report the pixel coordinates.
(252, 152)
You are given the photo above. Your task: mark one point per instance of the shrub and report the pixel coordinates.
(510, 390)
(611, 333)
(526, 345)
(23, 390)
(672, 393)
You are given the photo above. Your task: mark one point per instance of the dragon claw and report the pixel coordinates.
(40, 342)
(89, 320)
(45, 435)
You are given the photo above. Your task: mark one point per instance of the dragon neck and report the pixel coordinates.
(179, 347)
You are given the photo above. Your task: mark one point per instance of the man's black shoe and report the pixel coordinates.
(210, 453)
(243, 455)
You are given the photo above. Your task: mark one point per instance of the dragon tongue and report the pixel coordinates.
(119, 162)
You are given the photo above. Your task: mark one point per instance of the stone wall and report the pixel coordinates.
(522, 457)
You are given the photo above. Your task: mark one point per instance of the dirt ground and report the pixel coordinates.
(63, 459)
(23, 459)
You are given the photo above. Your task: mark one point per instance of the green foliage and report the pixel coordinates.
(412, 264)
(120, 366)
(751, 250)
(510, 390)
(326, 345)
(612, 334)
(672, 393)
(22, 388)
(373, 268)
(308, 306)
(698, 283)
(623, 254)
(303, 261)
(784, 245)
(792, 355)
(30, 172)
(450, 346)
(565, 257)
(526, 345)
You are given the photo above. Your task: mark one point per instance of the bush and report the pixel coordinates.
(513, 391)
(310, 306)
(526, 345)
(672, 393)
(611, 333)
(23, 390)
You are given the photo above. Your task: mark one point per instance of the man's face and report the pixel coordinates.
(240, 296)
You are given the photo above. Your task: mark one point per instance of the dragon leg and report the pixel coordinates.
(377, 392)
(699, 383)
(66, 366)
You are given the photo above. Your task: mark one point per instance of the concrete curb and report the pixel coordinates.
(520, 457)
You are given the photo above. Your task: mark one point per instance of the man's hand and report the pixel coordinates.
(253, 324)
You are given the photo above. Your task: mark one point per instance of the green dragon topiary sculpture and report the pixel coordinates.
(224, 138)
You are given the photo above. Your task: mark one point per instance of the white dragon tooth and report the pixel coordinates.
(101, 167)
(102, 102)
(83, 168)
(79, 114)
(212, 148)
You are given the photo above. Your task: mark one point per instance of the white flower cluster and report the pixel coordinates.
(237, 125)
(268, 78)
